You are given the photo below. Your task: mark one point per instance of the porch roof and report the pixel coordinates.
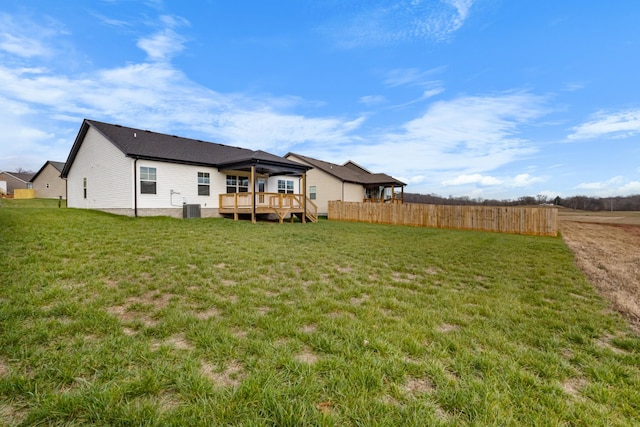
(266, 163)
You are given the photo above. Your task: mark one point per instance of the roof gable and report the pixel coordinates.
(59, 166)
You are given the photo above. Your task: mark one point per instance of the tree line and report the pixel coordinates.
(586, 203)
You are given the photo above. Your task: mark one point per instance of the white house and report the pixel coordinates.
(349, 182)
(137, 172)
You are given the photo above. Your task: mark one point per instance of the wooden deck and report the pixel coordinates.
(268, 203)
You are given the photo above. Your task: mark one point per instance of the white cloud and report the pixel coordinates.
(411, 77)
(600, 185)
(163, 45)
(631, 187)
(475, 178)
(612, 125)
(26, 39)
(520, 180)
(393, 21)
(524, 180)
(616, 186)
(371, 100)
(453, 141)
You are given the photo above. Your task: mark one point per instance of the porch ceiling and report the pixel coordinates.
(267, 167)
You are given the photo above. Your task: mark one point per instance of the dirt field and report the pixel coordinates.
(607, 248)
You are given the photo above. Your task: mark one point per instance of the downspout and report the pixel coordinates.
(304, 197)
(135, 187)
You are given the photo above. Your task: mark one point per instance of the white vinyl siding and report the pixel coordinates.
(110, 180)
(109, 175)
(177, 184)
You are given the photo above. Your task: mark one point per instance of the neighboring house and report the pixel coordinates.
(137, 172)
(349, 182)
(10, 181)
(47, 182)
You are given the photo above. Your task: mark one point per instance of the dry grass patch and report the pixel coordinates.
(178, 342)
(231, 376)
(325, 407)
(359, 300)
(605, 342)
(4, 369)
(415, 386)
(574, 386)
(239, 333)
(307, 356)
(208, 313)
(309, 329)
(167, 401)
(128, 315)
(11, 415)
(447, 327)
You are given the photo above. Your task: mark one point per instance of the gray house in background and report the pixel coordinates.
(47, 182)
(10, 181)
(348, 182)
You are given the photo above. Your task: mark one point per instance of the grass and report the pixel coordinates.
(108, 320)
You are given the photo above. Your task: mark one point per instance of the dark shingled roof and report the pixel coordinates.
(22, 176)
(145, 144)
(349, 173)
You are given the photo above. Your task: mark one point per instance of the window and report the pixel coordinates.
(147, 180)
(237, 184)
(285, 186)
(84, 187)
(203, 183)
(312, 192)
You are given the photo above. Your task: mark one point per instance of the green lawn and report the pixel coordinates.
(108, 320)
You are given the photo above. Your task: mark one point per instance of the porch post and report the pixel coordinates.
(253, 194)
(304, 197)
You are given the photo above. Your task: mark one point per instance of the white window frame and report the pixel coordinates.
(148, 176)
(204, 184)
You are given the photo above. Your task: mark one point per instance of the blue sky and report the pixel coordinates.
(478, 98)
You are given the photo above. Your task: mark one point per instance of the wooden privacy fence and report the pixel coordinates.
(538, 221)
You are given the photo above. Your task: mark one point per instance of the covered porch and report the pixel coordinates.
(253, 201)
(384, 192)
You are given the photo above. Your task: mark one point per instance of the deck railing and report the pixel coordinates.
(268, 200)
(280, 203)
